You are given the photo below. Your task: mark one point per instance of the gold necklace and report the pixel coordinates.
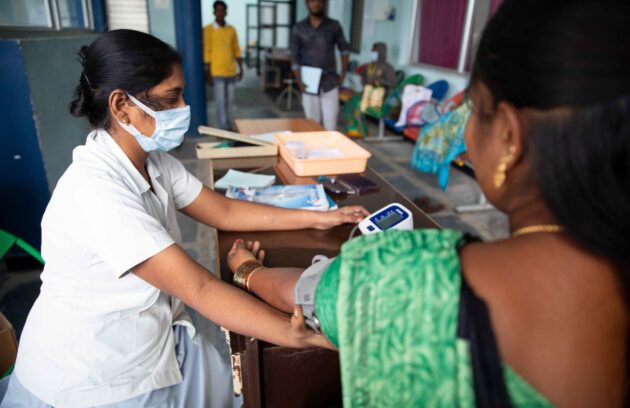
(538, 228)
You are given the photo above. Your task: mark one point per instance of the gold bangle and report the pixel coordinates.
(236, 281)
(239, 280)
(248, 266)
(249, 276)
(243, 271)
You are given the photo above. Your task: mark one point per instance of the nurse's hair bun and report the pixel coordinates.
(83, 94)
(82, 54)
(124, 60)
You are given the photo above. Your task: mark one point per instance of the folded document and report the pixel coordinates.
(305, 197)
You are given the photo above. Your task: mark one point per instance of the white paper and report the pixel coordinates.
(297, 148)
(235, 178)
(311, 77)
(324, 153)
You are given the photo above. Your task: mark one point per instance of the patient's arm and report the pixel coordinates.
(273, 285)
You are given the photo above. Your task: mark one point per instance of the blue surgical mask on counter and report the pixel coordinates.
(170, 127)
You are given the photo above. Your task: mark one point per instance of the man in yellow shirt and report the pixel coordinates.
(221, 52)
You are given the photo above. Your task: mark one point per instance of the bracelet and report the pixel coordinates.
(243, 271)
(249, 276)
(237, 280)
(248, 266)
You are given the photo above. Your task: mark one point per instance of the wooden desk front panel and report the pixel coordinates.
(278, 376)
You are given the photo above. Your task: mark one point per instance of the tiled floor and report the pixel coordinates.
(18, 289)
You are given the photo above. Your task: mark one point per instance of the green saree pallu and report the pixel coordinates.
(391, 303)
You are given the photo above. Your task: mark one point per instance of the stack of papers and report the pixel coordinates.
(305, 197)
(235, 178)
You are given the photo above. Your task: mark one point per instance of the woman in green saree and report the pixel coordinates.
(432, 318)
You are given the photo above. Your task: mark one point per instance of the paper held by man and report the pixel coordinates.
(311, 76)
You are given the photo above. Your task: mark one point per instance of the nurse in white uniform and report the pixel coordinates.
(109, 327)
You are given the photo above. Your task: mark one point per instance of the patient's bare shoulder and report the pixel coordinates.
(558, 315)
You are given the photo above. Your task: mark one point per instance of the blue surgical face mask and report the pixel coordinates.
(170, 127)
(374, 56)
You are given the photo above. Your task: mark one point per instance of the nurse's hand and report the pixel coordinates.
(345, 215)
(244, 251)
(303, 334)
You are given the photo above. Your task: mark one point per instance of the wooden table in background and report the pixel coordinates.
(274, 376)
(276, 67)
(256, 126)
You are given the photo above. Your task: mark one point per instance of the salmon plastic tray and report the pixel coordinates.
(321, 153)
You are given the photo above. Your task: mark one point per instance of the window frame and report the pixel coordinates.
(356, 25)
(354, 32)
(465, 44)
(54, 20)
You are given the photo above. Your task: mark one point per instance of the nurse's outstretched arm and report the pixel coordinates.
(218, 211)
(273, 285)
(174, 272)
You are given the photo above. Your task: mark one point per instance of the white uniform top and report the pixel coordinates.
(98, 334)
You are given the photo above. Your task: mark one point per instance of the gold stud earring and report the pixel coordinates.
(499, 174)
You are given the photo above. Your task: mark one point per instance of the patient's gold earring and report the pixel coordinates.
(499, 174)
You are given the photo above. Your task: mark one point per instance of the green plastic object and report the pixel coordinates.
(416, 79)
(7, 240)
(9, 372)
(400, 75)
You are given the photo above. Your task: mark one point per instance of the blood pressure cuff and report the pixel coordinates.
(304, 292)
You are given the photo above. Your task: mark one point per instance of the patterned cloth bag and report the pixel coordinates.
(440, 143)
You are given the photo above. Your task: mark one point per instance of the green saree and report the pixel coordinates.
(390, 303)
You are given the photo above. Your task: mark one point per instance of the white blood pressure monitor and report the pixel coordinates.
(392, 216)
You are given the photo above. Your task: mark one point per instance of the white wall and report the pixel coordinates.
(396, 34)
(301, 10)
(236, 16)
(341, 10)
(162, 20)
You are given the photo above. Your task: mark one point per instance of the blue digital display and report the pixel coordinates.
(389, 217)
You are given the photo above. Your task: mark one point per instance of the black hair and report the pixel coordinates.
(119, 59)
(570, 61)
(219, 3)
